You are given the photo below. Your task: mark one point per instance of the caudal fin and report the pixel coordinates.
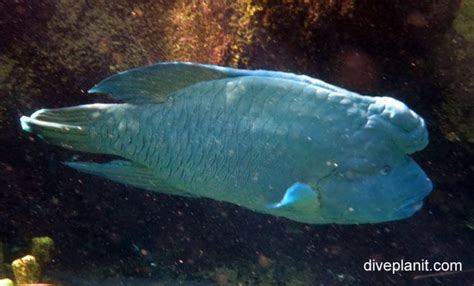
(68, 127)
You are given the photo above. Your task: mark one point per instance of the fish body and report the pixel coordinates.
(273, 142)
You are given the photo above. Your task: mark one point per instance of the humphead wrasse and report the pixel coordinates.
(273, 142)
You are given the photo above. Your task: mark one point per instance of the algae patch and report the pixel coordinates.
(464, 22)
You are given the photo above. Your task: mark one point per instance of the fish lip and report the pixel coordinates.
(408, 209)
(412, 205)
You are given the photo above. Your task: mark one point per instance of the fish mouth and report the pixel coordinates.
(409, 209)
(412, 205)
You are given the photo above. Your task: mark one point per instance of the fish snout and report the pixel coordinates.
(422, 187)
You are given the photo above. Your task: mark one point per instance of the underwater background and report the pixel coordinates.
(52, 52)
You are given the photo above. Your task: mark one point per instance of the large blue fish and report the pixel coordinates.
(273, 142)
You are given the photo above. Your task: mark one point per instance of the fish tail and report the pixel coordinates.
(70, 127)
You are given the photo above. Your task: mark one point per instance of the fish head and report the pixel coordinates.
(392, 188)
(387, 192)
(376, 180)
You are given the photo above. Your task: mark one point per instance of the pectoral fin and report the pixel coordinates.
(298, 198)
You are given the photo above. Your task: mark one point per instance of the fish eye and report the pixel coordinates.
(385, 170)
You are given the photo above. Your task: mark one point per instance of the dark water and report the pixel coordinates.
(52, 51)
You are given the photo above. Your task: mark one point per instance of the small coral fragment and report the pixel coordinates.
(41, 248)
(26, 270)
(6, 282)
(2, 259)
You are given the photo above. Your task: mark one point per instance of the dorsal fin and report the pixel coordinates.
(154, 83)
